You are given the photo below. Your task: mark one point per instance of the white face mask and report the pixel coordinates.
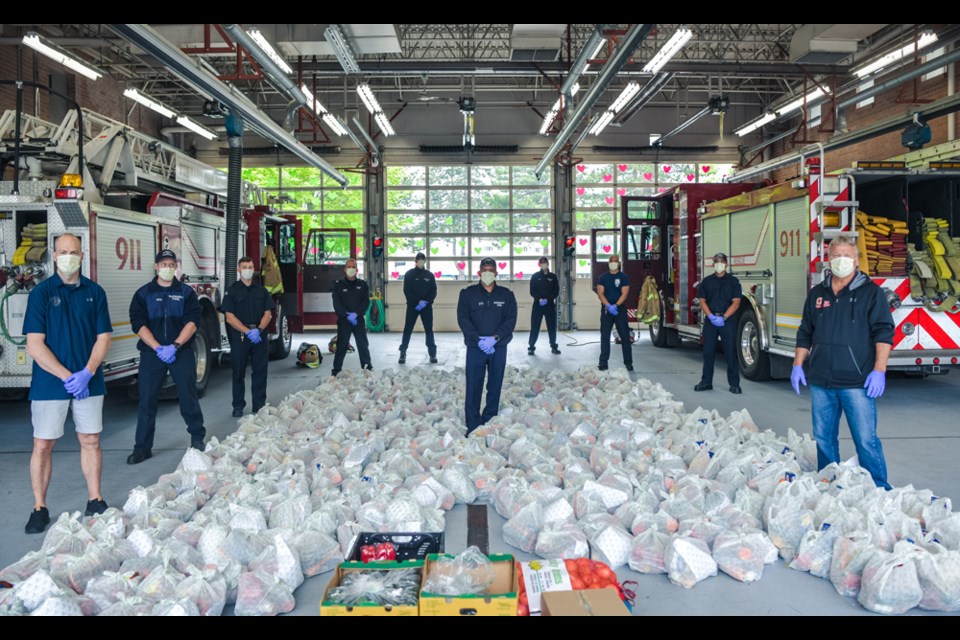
(246, 274)
(544, 268)
(68, 265)
(720, 267)
(488, 278)
(614, 267)
(841, 266)
(351, 272)
(421, 263)
(167, 274)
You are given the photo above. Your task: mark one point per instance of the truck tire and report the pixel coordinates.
(280, 346)
(658, 334)
(754, 361)
(203, 351)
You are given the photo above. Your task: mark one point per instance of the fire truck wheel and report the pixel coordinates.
(754, 361)
(658, 334)
(280, 346)
(204, 354)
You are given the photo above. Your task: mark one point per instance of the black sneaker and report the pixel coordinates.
(403, 357)
(368, 367)
(735, 389)
(433, 360)
(95, 507)
(39, 519)
(237, 413)
(139, 455)
(197, 443)
(602, 367)
(555, 351)
(703, 386)
(530, 351)
(629, 367)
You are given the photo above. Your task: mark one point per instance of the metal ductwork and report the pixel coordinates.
(828, 43)
(627, 46)
(580, 62)
(276, 75)
(206, 84)
(536, 42)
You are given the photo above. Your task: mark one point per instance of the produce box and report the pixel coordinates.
(591, 602)
(501, 599)
(540, 576)
(330, 608)
(406, 546)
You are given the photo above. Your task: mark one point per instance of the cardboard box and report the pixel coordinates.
(328, 608)
(501, 599)
(586, 602)
(540, 576)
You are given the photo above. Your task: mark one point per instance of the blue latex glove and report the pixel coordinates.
(421, 305)
(797, 378)
(543, 302)
(352, 318)
(717, 320)
(612, 309)
(83, 394)
(486, 344)
(254, 336)
(875, 384)
(77, 382)
(167, 353)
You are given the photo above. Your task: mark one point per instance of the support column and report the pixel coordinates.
(563, 225)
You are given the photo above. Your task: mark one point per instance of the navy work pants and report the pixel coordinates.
(480, 365)
(150, 379)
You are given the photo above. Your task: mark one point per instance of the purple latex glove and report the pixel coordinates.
(797, 378)
(83, 394)
(487, 344)
(167, 353)
(716, 320)
(254, 336)
(352, 318)
(78, 381)
(421, 305)
(543, 302)
(612, 309)
(875, 384)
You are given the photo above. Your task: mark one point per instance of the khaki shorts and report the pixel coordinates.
(49, 416)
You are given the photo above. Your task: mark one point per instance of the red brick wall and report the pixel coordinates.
(104, 96)
(897, 101)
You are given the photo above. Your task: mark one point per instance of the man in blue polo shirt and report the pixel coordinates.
(487, 315)
(165, 313)
(68, 328)
(612, 289)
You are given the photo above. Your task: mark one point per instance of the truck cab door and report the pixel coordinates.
(325, 253)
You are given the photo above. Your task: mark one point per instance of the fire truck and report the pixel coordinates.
(139, 195)
(776, 238)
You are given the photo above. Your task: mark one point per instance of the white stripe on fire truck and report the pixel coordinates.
(788, 320)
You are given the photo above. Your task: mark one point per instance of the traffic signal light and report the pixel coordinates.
(569, 245)
(377, 246)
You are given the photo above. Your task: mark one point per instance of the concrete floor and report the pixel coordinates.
(918, 426)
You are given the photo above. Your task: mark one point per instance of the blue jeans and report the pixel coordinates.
(861, 413)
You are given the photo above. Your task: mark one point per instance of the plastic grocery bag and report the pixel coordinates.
(521, 530)
(647, 552)
(742, 554)
(33, 591)
(260, 594)
(562, 540)
(206, 590)
(938, 572)
(469, 572)
(110, 587)
(890, 583)
(688, 561)
(815, 553)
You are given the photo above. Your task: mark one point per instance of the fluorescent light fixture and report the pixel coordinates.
(334, 124)
(602, 122)
(146, 101)
(625, 96)
(341, 48)
(927, 37)
(369, 100)
(269, 50)
(34, 41)
(318, 108)
(384, 123)
(756, 124)
(799, 102)
(676, 42)
(196, 127)
(596, 52)
(548, 121)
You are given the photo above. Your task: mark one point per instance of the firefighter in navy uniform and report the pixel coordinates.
(351, 298)
(420, 290)
(612, 289)
(248, 310)
(487, 315)
(719, 295)
(165, 313)
(544, 289)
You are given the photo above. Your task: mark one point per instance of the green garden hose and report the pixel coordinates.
(376, 318)
(3, 321)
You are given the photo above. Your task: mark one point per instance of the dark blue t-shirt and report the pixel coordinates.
(613, 284)
(70, 317)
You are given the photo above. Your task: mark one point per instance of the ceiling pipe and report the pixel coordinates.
(627, 46)
(205, 83)
(276, 75)
(596, 37)
(926, 67)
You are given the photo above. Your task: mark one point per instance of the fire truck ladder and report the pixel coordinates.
(834, 216)
(124, 156)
